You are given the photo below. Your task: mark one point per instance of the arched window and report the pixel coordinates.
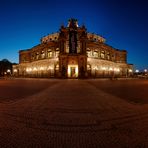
(88, 52)
(49, 53)
(102, 54)
(96, 53)
(108, 56)
(57, 52)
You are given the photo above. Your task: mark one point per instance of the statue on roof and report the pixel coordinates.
(72, 23)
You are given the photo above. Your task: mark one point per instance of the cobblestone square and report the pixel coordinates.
(71, 113)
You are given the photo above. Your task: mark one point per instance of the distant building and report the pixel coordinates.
(73, 53)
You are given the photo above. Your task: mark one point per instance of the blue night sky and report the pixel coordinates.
(124, 24)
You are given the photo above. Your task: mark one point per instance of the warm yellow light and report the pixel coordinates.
(8, 70)
(110, 68)
(35, 69)
(77, 71)
(95, 68)
(103, 68)
(88, 59)
(116, 69)
(50, 68)
(70, 72)
(28, 69)
(41, 68)
(15, 70)
(130, 70)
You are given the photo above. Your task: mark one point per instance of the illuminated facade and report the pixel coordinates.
(73, 53)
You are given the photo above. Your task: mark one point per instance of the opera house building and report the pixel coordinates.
(73, 53)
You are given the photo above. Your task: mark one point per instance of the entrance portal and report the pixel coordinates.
(72, 71)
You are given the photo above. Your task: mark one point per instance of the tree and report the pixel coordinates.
(4, 66)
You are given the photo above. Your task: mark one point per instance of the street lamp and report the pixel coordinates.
(145, 72)
(136, 70)
(8, 71)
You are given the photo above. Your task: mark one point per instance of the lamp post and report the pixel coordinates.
(145, 72)
(137, 71)
(8, 71)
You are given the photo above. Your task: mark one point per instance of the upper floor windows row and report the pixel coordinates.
(106, 55)
(49, 53)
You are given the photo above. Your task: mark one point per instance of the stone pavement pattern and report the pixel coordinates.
(73, 114)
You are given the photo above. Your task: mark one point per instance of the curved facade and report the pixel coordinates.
(73, 53)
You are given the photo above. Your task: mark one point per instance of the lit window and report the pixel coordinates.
(102, 54)
(42, 54)
(57, 52)
(88, 67)
(95, 53)
(57, 67)
(49, 53)
(88, 52)
(108, 56)
(37, 55)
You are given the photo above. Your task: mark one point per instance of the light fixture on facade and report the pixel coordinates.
(15, 70)
(50, 68)
(41, 68)
(8, 71)
(34, 69)
(95, 68)
(28, 69)
(103, 68)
